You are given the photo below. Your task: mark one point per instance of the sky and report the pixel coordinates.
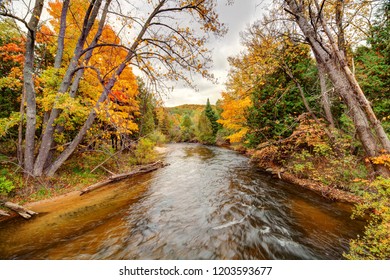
(237, 18)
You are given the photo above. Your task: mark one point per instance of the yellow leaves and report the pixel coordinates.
(8, 123)
(383, 159)
(233, 116)
(13, 81)
(238, 136)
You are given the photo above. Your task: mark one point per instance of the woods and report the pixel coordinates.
(98, 54)
(307, 97)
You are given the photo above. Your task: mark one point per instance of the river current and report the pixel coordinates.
(209, 203)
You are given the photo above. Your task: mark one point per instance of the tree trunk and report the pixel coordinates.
(345, 84)
(48, 135)
(61, 35)
(88, 55)
(340, 60)
(20, 131)
(325, 95)
(57, 65)
(87, 125)
(140, 170)
(50, 171)
(28, 85)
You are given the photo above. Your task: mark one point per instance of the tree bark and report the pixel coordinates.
(88, 55)
(87, 125)
(19, 151)
(61, 35)
(340, 60)
(50, 171)
(28, 87)
(345, 85)
(326, 105)
(48, 135)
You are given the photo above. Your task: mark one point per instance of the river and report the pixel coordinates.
(209, 203)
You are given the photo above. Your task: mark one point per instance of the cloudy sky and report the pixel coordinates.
(237, 17)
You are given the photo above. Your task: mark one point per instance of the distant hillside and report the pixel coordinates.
(186, 108)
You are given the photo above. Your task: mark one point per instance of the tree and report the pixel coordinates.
(205, 130)
(187, 129)
(162, 48)
(212, 117)
(146, 119)
(28, 82)
(314, 26)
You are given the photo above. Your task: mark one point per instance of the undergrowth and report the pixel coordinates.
(309, 153)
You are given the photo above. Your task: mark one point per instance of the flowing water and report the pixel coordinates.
(209, 203)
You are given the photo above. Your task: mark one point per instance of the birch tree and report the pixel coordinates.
(312, 21)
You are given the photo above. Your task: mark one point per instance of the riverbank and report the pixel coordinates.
(78, 173)
(267, 164)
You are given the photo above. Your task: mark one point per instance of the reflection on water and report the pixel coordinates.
(209, 203)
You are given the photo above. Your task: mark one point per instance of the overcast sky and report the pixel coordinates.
(237, 17)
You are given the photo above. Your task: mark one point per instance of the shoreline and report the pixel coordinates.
(278, 172)
(327, 192)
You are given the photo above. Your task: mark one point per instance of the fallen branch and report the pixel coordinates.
(104, 161)
(3, 213)
(140, 170)
(24, 212)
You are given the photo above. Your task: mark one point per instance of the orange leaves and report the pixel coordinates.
(12, 52)
(383, 159)
(45, 35)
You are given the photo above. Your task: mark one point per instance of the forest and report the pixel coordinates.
(307, 98)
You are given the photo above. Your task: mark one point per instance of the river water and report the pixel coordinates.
(209, 203)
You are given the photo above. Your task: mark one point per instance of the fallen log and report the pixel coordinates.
(24, 212)
(3, 213)
(114, 178)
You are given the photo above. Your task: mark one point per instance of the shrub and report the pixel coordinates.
(144, 153)
(157, 137)
(375, 243)
(6, 186)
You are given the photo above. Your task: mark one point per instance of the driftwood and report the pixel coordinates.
(140, 170)
(3, 213)
(24, 212)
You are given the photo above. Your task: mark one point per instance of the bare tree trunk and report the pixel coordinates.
(28, 85)
(48, 135)
(340, 28)
(20, 131)
(61, 35)
(339, 58)
(76, 80)
(87, 125)
(345, 84)
(88, 55)
(325, 95)
(92, 115)
(57, 65)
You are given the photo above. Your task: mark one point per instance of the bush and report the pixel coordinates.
(375, 244)
(144, 153)
(157, 137)
(6, 186)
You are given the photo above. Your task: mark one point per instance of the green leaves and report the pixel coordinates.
(375, 244)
